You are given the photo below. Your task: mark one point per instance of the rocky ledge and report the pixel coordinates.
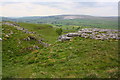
(93, 33)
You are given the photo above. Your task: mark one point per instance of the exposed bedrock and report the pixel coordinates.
(93, 33)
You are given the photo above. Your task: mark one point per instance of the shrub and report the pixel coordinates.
(59, 31)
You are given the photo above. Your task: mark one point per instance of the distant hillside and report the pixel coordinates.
(57, 17)
(67, 20)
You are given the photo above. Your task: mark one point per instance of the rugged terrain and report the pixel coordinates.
(25, 54)
(93, 33)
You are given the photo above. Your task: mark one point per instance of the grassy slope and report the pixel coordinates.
(46, 31)
(0, 59)
(14, 45)
(0, 51)
(79, 58)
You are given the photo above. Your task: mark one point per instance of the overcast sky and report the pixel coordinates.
(20, 8)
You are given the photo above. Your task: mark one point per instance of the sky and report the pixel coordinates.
(20, 8)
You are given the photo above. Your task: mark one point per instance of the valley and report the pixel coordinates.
(86, 47)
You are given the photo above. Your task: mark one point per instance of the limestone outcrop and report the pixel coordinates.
(93, 33)
(18, 27)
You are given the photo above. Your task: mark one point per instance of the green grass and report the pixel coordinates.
(0, 59)
(88, 21)
(14, 45)
(46, 31)
(0, 52)
(77, 58)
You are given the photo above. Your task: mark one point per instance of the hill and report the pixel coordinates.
(65, 21)
(77, 58)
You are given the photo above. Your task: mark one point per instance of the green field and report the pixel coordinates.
(60, 21)
(77, 58)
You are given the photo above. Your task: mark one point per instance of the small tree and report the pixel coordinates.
(59, 31)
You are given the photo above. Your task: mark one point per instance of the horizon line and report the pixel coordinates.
(60, 15)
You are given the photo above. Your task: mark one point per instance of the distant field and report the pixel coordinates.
(91, 23)
(62, 21)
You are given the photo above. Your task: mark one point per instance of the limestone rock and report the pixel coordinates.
(93, 33)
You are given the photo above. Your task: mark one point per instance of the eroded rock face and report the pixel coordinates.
(93, 33)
